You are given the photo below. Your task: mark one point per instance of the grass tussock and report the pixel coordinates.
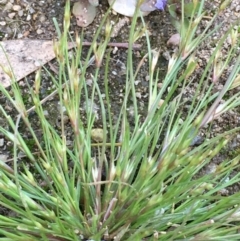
(137, 182)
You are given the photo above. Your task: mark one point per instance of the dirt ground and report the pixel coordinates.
(32, 19)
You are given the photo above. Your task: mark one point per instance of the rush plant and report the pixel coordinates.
(138, 180)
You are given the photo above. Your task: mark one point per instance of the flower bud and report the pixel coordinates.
(217, 67)
(236, 82)
(234, 37)
(37, 82)
(30, 178)
(67, 15)
(155, 55)
(191, 66)
(7, 70)
(47, 166)
(30, 202)
(224, 5)
(108, 29)
(78, 41)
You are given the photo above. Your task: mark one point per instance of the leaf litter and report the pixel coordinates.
(20, 58)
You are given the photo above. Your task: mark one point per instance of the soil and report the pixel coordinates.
(33, 19)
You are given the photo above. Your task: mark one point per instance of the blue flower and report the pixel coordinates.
(160, 4)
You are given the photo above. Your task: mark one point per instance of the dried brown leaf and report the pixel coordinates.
(24, 57)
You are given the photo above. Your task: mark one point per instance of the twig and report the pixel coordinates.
(118, 45)
(53, 68)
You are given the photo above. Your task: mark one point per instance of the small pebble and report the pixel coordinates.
(20, 13)
(8, 6)
(20, 35)
(28, 17)
(1, 142)
(11, 15)
(39, 31)
(3, 2)
(16, 8)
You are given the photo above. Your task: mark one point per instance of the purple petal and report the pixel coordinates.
(148, 6)
(160, 4)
